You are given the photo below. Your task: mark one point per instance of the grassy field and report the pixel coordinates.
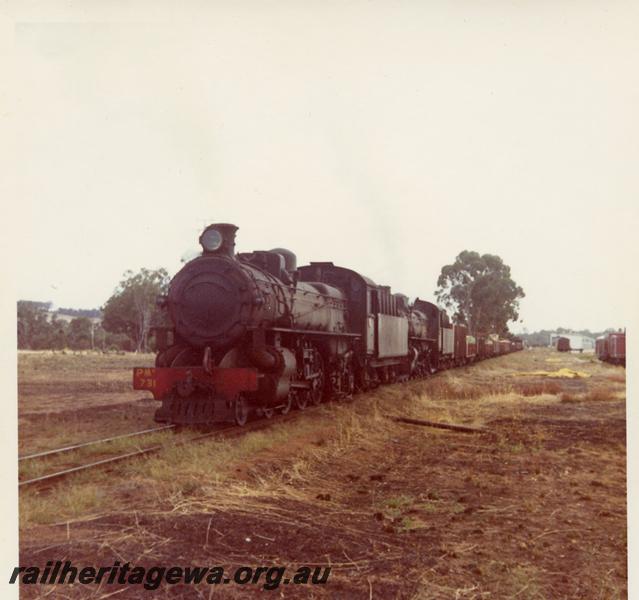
(532, 508)
(64, 398)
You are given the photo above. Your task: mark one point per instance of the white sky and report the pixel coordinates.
(384, 136)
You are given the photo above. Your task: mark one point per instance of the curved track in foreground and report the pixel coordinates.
(225, 431)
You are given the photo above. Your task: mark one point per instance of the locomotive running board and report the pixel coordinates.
(315, 332)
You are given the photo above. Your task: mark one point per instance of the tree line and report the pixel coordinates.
(477, 289)
(127, 319)
(40, 329)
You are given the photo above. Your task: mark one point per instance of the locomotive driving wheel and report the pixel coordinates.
(428, 368)
(343, 381)
(317, 389)
(301, 399)
(350, 381)
(316, 392)
(241, 411)
(268, 412)
(288, 404)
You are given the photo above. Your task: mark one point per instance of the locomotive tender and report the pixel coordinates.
(253, 332)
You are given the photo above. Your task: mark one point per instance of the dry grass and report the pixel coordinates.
(77, 371)
(70, 398)
(54, 381)
(538, 388)
(188, 469)
(69, 502)
(451, 387)
(618, 377)
(466, 516)
(596, 395)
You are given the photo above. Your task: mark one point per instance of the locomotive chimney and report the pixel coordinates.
(219, 239)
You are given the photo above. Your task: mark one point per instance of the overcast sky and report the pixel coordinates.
(384, 136)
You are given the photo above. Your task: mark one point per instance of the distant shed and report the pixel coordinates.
(581, 343)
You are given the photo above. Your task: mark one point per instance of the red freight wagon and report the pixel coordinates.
(460, 332)
(612, 348)
(504, 346)
(563, 344)
(617, 348)
(481, 346)
(601, 347)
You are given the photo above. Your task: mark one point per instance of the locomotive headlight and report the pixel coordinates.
(211, 240)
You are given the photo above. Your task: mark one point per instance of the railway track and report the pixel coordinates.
(223, 431)
(59, 451)
(228, 431)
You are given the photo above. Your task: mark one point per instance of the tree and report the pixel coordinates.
(57, 338)
(80, 333)
(35, 331)
(480, 291)
(132, 307)
(91, 313)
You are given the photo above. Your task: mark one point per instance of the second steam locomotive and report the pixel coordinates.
(252, 332)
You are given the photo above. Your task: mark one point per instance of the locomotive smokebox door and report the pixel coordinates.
(210, 300)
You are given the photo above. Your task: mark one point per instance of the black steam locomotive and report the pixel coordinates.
(252, 332)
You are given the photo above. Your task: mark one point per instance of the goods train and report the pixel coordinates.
(254, 333)
(612, 348)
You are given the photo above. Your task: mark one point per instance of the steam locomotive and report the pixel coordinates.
(254, 333)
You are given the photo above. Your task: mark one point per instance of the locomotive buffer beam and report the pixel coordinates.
(193, 396)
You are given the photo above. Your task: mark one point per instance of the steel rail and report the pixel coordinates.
(228, 431)
(93, 443)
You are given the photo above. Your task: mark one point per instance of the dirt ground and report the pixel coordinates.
(533, 507)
